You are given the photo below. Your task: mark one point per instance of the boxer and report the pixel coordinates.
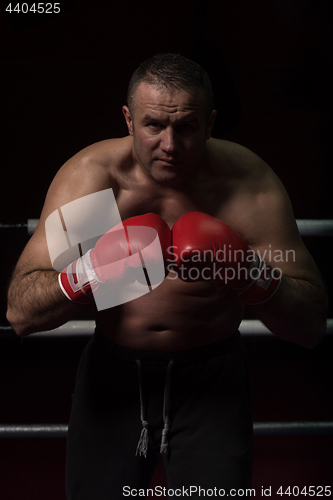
(167, 373)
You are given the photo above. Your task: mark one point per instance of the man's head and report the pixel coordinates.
(170, 117)
(172, 72)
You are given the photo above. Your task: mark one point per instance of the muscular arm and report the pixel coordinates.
(298, 310)
(35, 300)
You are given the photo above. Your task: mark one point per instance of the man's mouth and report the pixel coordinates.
(169, 161)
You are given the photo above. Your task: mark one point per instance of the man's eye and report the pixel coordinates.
(154, 125)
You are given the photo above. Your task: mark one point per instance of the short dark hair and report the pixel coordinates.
(174, 72)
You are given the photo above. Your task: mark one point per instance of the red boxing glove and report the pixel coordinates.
(118, 256)
(207, 249)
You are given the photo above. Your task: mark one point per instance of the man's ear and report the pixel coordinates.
(210, 124)
(128, 118)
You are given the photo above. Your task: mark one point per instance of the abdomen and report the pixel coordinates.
(174, 316)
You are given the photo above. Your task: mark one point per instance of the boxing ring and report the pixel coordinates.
(85, 328)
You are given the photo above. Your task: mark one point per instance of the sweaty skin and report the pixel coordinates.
(170, 165)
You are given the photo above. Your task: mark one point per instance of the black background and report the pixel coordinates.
(63, 82)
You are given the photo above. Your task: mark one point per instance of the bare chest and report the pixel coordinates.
(170, 204)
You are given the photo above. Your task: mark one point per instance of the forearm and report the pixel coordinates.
(297, 312)
(36, 303)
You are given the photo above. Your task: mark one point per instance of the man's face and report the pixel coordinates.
(169, 131)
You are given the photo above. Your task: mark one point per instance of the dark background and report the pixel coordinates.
(63, 82)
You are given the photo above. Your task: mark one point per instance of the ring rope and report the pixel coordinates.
(41, 431)
(306, 227)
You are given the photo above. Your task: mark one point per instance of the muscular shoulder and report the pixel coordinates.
(92, 169)
(235, 162)
(106, 156)
(256, 198)
(242, 170)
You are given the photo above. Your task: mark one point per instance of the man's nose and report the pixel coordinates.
(169, 141)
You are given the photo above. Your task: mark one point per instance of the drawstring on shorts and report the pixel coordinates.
(142, 447)
(166, 408)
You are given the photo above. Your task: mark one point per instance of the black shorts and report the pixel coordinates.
(210, 436)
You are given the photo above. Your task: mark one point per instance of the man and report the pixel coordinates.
(172, 356)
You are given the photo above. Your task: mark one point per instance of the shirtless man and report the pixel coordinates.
(169, 165)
